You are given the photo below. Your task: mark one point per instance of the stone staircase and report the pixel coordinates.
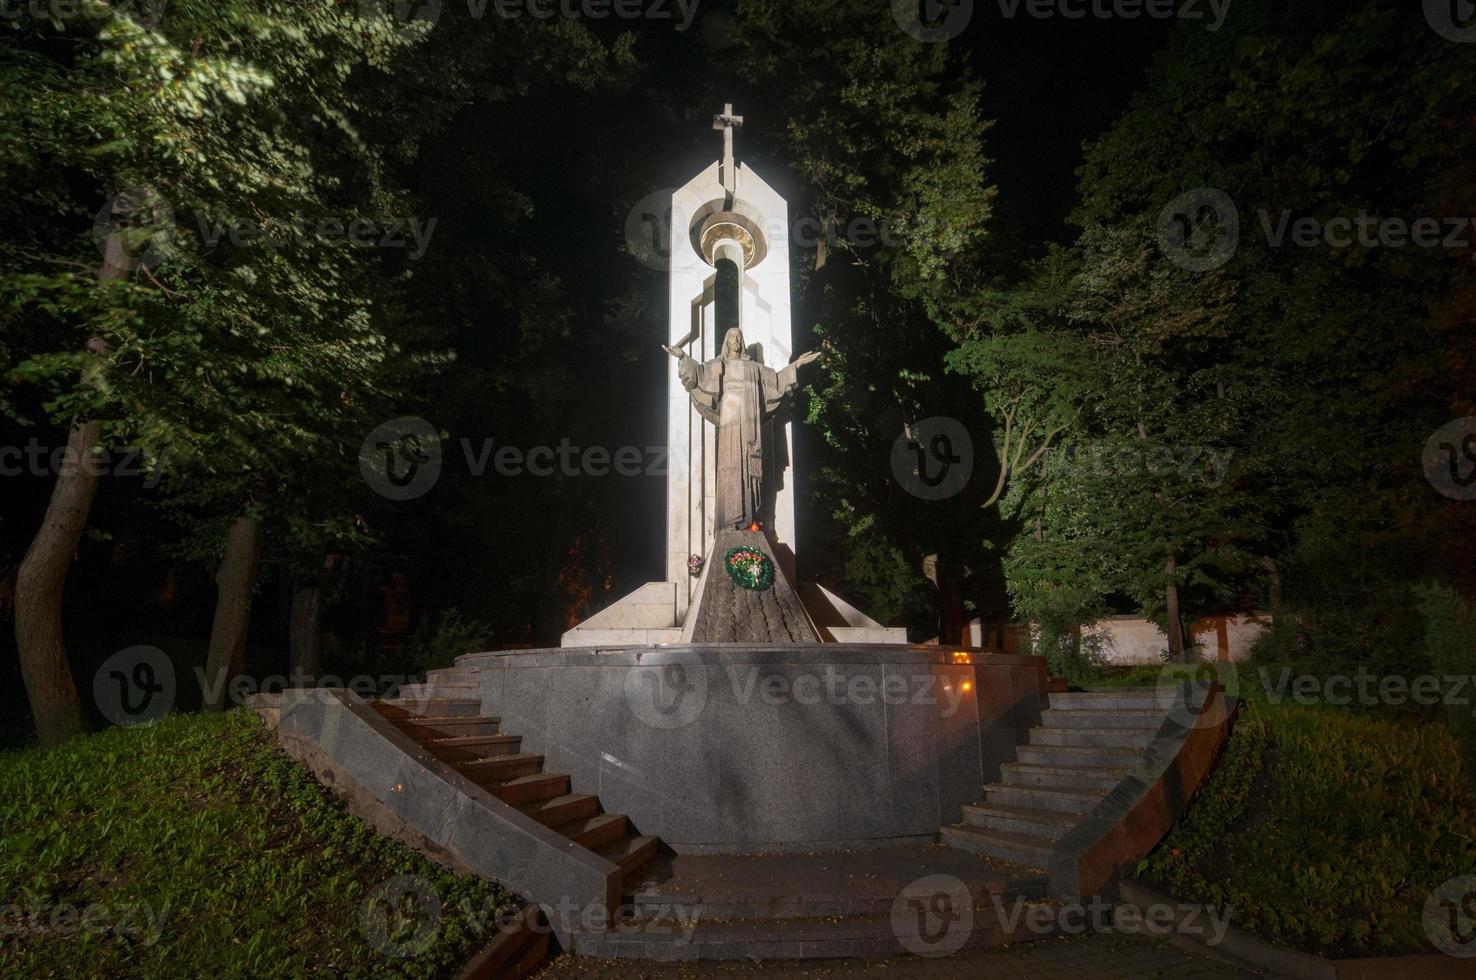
(444, 718)
(815, 905)
(443, 684)
(1085, 744)
(1091, 788)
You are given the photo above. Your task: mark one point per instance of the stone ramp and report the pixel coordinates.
(476, 747)
(432, 770)
(727, 613)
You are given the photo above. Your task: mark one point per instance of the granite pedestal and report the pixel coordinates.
(731, 749)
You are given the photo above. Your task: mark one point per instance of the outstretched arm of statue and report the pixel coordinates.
(807, 358)
(688, 370)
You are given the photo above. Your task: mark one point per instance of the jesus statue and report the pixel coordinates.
(738, 395)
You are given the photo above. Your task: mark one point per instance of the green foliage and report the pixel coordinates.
(1071, 655)
(888, 585)
(1270, 408)
(438, 643)
(261, 153)
(1450, 637)
(884, 130)
(252, 868)
(1323, 830)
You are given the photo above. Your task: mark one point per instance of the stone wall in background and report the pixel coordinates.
(1125, 640)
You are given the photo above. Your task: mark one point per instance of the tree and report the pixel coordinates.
(201, 339)
(1313, 373)
(884, 134)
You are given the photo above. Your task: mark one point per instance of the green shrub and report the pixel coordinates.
(440, 642)
(251, 868)
(1450, 638)
(1324, 830)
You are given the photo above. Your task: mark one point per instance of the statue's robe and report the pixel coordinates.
(738, 396)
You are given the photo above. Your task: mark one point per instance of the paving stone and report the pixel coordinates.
(1097, 957)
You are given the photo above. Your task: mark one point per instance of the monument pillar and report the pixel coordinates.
(729, 267)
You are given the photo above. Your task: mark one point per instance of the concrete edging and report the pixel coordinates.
(1297, 965)
(517, 951)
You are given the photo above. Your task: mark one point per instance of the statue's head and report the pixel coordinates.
(733, 343)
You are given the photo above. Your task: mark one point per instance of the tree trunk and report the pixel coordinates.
(235, 580)
(304, 633)
(1177, 650)
(1273, 583)
(42, 576)
(39, 586)
(951, 625)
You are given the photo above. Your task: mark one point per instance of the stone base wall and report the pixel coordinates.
(727, 748)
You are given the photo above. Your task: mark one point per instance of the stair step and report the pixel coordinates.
(500, 768)
(629, 853)
(1078, 755)
(561, 809)
(470, 747)
(1043, 798)
(519, 949)
(596, 831)
(428, 708)
(1129, 699)
(1049, 825)
(427, 729)
(1148, 720)
(450, 673)
(527, 789)
(439, 692)
(759, 940)
(1033, 852)
(1061, 776)
(1121, 739)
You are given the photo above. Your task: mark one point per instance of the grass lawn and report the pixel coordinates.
(1324, 830)
(193, 848)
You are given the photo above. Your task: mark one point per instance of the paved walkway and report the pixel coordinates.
(1100, 957)
(751, 884)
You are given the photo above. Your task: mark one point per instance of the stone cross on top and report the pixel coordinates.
(727, 122)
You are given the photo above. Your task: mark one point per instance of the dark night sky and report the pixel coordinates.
(1050, 85)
